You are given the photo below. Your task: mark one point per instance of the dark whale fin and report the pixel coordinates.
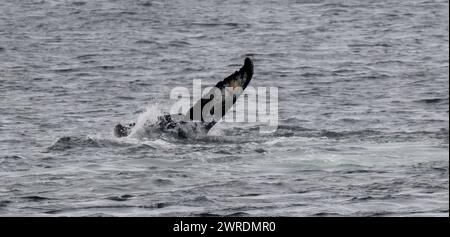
(239, 79)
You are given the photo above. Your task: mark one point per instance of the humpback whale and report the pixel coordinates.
(223, 95)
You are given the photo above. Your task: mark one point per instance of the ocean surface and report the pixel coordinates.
(363, 108)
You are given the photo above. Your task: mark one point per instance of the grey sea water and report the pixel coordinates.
(363, 108)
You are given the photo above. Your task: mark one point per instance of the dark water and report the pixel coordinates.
(363, 108)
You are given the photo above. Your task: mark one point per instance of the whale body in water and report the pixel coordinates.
(223, 95)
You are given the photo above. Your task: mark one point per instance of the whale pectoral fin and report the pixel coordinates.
(239, 79)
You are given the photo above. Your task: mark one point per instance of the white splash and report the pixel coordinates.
(149, 116)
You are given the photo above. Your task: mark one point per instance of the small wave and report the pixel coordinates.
(14, 163)
(200, 199)
(78, 4)
(66, 70)
(430, 166)
(227, 139)
(107, 67)
(145, 42)
(249, 195)
(260, 150)
(179, 43)
(206, 214)
(72, 211)
(36, 198)
(73, 142)
(343, 134)
(146, 4)
(121, 198)
(228, 24)
(86, 56)
(94, 215)
(293, 130)
(224, 159)
(66, 143)
(13, 157)
(309, 1)
(432, 100)
(384, 45)
(4, 203)
(327, 214)
(238, 214)
(162, 182)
